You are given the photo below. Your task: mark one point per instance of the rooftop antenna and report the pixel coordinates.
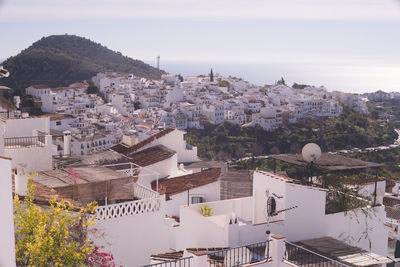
(158, 62)
(311, 153)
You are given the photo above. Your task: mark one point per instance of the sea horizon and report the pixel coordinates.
(335, 77)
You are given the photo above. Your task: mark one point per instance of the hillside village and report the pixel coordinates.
(139, 107)
(126, 150)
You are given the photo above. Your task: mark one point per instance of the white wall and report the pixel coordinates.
(165, 168)
(368, 190)
(239, 206)
(23, 127)
(2, 129)
(133, 239)
(7, 248)
(35, 158)
(308, 219)
(261, 183)
(65, 124)
(209, 192)
(198, 231)
(352, 226)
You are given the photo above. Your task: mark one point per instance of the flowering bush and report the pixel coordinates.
(56, 236)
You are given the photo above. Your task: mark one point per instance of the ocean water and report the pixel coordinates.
(346, 78)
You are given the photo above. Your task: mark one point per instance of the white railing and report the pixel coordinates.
(128, 208)
(134, 170)
(142, 192)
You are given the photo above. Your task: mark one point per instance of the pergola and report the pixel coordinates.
(328, 163)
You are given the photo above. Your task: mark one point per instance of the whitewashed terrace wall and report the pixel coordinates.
(141, 192)
(351, 226)
(24, 127)
(35, 158)
(308, 219)
(210, 192)
(133, 239)
(7, 248)
(202, 231)
(240, 206)
(130, 208)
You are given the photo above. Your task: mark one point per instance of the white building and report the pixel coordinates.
(214, 113)
(28, 141)
(300, 215)
(7, 247)
(37, 91)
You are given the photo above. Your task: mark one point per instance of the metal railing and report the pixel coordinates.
(183, 262)
(5, 114)
(239, 256)
(22, 142)
(301, 256)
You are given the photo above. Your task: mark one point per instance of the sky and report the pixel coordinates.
(349, 45)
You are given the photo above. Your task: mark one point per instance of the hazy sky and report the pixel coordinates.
(354, 40)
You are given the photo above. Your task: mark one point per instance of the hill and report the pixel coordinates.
(59, 60)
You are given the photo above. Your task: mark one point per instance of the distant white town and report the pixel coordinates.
(140, 107)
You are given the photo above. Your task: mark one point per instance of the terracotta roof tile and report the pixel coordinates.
(40, 86)
(169, 255)
(176, 185)
(134, 148)
(151, 155)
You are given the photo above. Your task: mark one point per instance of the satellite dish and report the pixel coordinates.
(311, 152)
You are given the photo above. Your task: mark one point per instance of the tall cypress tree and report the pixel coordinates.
(211, 76)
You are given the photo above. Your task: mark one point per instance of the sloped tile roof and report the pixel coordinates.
(129, 150)
(151, 155)
(176, 185)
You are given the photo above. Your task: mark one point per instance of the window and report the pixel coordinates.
(271, 206)
(196, 200)
(58, 123)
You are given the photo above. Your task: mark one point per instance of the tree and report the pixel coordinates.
(92, 89)
(55, 237)
(224, 83)
(281, 82)
(136, 105)
(211, 76)
(180, 77)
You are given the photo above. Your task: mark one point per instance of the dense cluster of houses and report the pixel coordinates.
(131, 105)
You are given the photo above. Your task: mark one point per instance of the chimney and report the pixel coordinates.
(67, 143)
(21, 180)
(130, 138)
(17, 101)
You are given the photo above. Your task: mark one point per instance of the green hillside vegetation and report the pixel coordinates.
(389, 109)
(60, 60)
(349, 130)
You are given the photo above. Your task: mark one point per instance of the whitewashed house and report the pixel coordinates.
(28, 141)
(37, 91)
(214, 113)
(300, 215)
(235, 116)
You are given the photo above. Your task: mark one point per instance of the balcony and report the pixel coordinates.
(24, 142)
(276, 252)
(239, 256)
(300, 256)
